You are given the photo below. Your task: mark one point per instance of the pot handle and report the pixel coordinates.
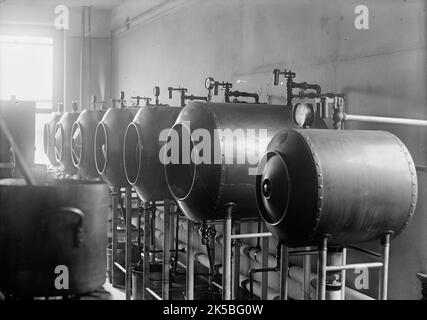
(78, 233)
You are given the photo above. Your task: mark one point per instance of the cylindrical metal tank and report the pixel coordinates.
(109, 137)
(230, 138)
(142, 146)
(353, 186)
(82, 143)
(49, 137)
(63, 141)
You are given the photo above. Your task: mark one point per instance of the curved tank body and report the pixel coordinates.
(109, 137)
(352, 186)
(63, 141)
(226, 141)
(49, 137)
(82, 143)
(143, 166)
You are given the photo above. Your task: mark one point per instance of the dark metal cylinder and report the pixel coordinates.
(63, 141)
(144, 170)
(352, 186)
(49, 137)
(109, 137)
(59, 223)
(82, 143)
(232, 138)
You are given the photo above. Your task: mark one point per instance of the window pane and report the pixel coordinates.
(26, 70)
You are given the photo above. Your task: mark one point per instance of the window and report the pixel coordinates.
(26, 72)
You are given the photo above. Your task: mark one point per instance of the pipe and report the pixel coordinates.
(251, 235)
(389, 120)
(146, 250)
(190, 261)
(343, 273)
(334, 281)
(385, 260)
(226, 261)
(166, 250)
(264, 270)
(128, 241)
(321, 281)
(115, 195)
(307, 273)
(354, 266)
(155, 295)
(82, 47)
(284, 274)
(236, 256)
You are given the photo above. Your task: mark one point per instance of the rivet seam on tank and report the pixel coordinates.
(319, 179)
(412, 171)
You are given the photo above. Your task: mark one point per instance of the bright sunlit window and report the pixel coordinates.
(26, 72)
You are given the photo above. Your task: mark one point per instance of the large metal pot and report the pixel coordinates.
(82, 143)
(143, 167)
(49, 137)
(109, 136)
(203, 190)
(63, 141)
(353, 186)
(44, 229)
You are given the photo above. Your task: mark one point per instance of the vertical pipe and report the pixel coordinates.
(128, 239)
(385, 260)
(146, 251)
(152, 244)
(307, 272)
(334, 284)
(82, 52)
(343, 273)
(284, 263)
(64, 99)
(89, 49)
(264, 265)
(166, 250)
(115, 194)
(226, 259)
(236, 258)
(190, 260)
(321, 278)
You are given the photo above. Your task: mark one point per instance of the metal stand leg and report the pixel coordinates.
(236, 258)
(146, 250)
(343, 273)
(284, 263)
(128, 241)
(264, 265)
(190, 260)
(385, 261)
(334, 282)
(321, 280)
(115, 194)
(153, 233)
(166, 250)
(306, 264)
(226, 260)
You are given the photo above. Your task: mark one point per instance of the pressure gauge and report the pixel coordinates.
(209, 83)
(303, 115)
